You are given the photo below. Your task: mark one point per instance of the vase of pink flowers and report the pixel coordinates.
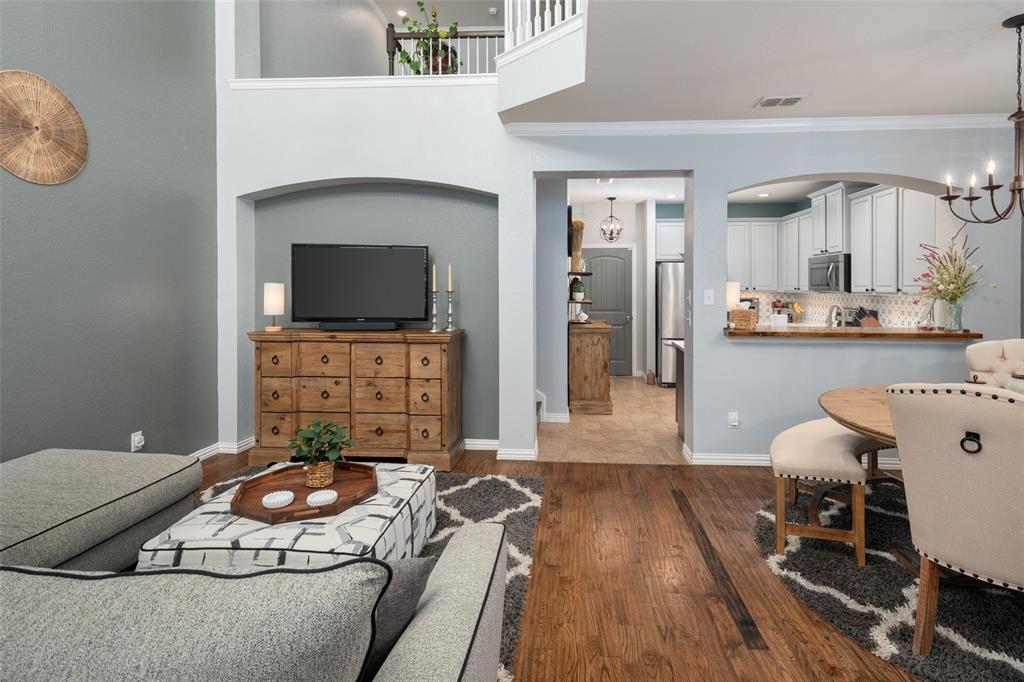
(949, 276)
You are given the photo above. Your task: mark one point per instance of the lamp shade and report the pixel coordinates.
(732, 295)
(273, 298)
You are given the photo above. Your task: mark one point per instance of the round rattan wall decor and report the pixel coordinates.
(42, 137)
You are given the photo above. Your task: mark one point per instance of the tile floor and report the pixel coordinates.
(641, 430)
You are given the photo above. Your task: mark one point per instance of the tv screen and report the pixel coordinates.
(338, 282)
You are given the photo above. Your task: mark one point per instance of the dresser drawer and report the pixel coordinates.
(276, 429)
(303, 419)
(425, 396)
(424, 433)
(276, 359)
(323, 359)
(381, 359)
(316, 394)
(425, 360)
(381, 431)
(379, 395)
(276, 395)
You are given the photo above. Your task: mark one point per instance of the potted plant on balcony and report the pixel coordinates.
(432, 54)
(319, 446)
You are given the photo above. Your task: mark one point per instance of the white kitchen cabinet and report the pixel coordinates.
(861, 251)
(917, 225)
(764, 256)
(669, 239)
(835, 220)
(884, 219)
(806, 221)
(789, 254)
(737, 250)
(818, 240)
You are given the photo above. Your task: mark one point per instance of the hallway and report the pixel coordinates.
(642, 430)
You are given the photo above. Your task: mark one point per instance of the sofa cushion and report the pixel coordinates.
(57, 504)
(183, 624)
(398, 606)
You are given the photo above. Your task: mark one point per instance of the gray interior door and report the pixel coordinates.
(611, 290)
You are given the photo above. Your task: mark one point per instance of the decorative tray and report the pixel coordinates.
(353, 482)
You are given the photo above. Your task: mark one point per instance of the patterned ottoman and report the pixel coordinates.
(393, 524)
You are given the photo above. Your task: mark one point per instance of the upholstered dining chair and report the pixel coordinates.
(993, 362)
(962, 453)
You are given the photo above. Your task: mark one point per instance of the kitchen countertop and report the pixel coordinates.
(883, 333)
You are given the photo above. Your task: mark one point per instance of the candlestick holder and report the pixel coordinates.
(433, 313)
(451, 313)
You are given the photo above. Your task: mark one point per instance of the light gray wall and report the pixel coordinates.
(108, 315)
(552, 293)
(307, 38)
(460, 228)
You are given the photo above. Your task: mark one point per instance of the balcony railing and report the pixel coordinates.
(468, 52)
(527, 19)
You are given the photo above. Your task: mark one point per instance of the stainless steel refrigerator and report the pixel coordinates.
(670, 317)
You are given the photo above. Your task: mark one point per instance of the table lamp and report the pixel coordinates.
(273, 303)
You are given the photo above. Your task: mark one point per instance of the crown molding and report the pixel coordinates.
(756, 125)
(339, 83)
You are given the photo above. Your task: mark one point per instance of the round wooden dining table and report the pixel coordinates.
(864, 409)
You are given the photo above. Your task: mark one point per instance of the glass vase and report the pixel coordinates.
(954, 317)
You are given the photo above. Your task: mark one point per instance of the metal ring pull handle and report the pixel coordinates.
(324, 359)
(378, 360)
(425, 397)
(325, 394)
(378, 395)
(275, 395)
(275, 360)
(425, 433)
(971, 443)
(379, 430)
(274, 430)
(425, 361)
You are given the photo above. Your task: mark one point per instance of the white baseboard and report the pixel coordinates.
(887, 459)
(225, 448)
(209, 451)
(555, 417)
(513, 453)
(489, 444)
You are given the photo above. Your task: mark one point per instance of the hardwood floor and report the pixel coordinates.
(622, 586)
(642, 429)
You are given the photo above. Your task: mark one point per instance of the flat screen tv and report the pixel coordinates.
(345, 283)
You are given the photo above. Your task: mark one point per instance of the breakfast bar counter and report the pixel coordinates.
(875, 333)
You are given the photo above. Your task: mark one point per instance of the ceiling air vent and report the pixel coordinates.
(778, 101)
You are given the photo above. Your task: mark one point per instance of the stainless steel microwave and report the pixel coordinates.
(829, 272)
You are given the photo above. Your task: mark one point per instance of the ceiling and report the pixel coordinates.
(467, 12)
(651, 60)
(785, 192)
(625, 190)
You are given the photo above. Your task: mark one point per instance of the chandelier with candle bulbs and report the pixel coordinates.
(1017, 184)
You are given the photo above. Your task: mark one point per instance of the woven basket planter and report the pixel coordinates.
(319, 474)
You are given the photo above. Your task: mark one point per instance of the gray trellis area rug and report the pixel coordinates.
(979, 633)
(464, 499)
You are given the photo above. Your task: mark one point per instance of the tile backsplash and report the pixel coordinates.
(894, 310)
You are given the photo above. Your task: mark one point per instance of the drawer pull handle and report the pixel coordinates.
(379, 430)
(378, 395)
(324, 359)
(425, 361)
(425, 433)
(378, 360)
(275, 395)
(275, 360)
(425, 397)
(274, 430)
(324, 394)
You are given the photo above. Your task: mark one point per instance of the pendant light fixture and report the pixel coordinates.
(611, 227)
(1017, 184)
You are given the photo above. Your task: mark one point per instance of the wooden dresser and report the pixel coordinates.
(589, 383)
(399, 392)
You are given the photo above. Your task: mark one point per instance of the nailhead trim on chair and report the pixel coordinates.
(923, 391)
(1001, 583)
(816, 478)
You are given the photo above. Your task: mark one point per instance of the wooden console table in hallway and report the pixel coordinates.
(589, 384)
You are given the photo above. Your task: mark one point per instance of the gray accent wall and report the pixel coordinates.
(319, 38)
(552, 295)
(108, 312)
(459, 227)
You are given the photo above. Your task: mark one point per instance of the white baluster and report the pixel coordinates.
(508, 17)
(538, 18)
(547, 15)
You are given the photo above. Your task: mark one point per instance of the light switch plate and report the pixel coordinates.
(709, 297)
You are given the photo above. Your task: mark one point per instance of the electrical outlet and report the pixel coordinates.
(709, 297)
(138, 440)
(734, 420)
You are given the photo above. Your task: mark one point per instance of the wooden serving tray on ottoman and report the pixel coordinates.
(353, 482)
